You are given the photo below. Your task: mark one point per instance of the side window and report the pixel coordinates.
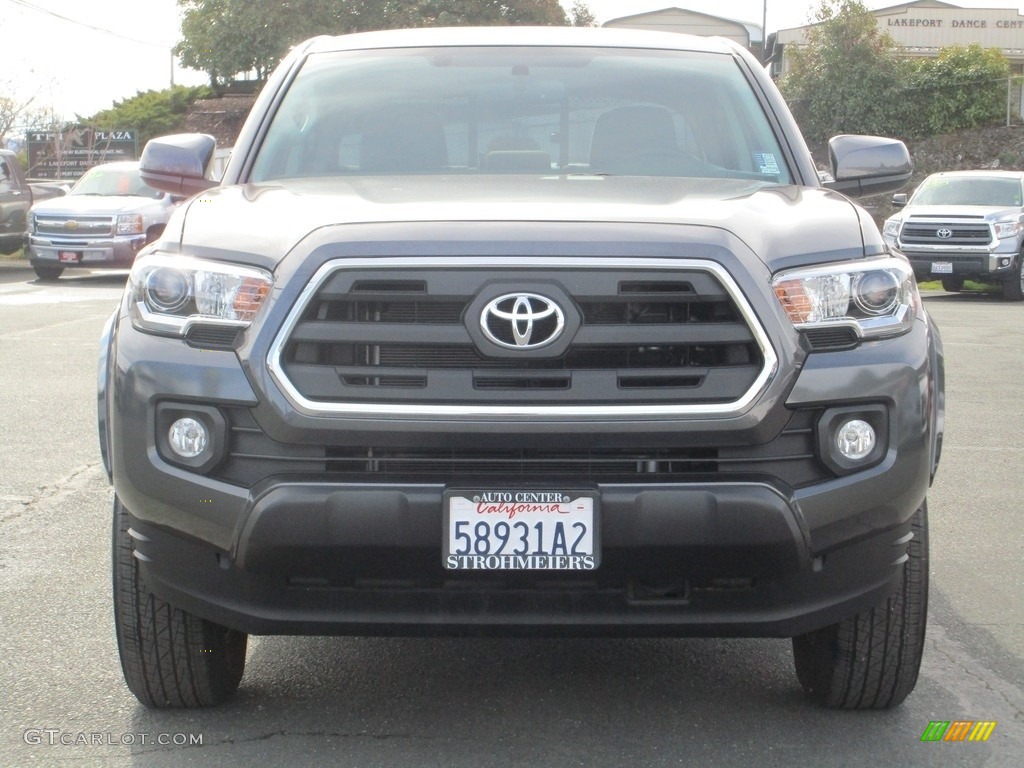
(6, 177)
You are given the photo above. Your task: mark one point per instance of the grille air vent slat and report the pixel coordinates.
(790, 457)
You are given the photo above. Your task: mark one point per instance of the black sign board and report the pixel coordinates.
(69, 153)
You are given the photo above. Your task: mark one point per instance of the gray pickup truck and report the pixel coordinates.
(527, 332)
(16, 197)
(963, 225)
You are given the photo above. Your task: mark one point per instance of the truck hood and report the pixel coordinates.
(779, 223)
(95, 205)
(959, 211)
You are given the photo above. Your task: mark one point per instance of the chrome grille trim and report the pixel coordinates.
(925, 232)
(55, 225)
(275, 357)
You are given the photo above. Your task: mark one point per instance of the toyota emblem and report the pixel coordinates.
(945, 233)
(522, 321)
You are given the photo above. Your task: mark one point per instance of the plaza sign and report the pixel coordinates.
(69, 153)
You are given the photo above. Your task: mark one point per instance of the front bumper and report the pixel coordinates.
(698, 560)
(312, 553)
(995, 265)
(117, 252)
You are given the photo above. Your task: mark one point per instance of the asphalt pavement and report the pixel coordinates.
(485, 702)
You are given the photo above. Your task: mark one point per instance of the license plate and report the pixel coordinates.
(942, 268)
(70, 257)
(500, 530)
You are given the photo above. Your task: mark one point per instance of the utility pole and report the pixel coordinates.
(764, 31)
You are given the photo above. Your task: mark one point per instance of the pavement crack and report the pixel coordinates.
(71, 482)
(956, 660)
(342, 735)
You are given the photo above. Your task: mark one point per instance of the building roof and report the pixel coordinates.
(754, 31)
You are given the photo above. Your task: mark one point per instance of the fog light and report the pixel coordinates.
(855, 439)
(1004, 262)
(188, 437)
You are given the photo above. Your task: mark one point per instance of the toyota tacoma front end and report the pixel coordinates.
(522, 332)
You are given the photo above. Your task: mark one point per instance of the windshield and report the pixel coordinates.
(970, 190)
(520, 110)
(113, 182)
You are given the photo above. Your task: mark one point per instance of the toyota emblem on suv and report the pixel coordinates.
(522, 321)
(945, 233)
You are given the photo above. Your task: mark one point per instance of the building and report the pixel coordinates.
(922, 28)
(681, 20)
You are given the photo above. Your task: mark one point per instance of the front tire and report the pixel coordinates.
(48, 273)
(871, 660)
(1013, 288)
(170, 658)
(953, 284)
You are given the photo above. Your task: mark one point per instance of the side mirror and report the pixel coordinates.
(868, 165)
(899, 200)
(178, 164)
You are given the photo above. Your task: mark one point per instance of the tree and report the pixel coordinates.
(151, 113)
(14, 111)
(581, 15)
(374, 14)
(848, 78)
(226, 37)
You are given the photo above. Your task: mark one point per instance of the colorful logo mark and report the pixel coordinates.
(958, 730)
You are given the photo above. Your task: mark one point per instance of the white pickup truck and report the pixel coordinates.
(103, 222)
(964, 225)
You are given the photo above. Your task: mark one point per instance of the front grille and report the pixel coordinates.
(917, 232)
(653, 336)
(791, 458)
(73, 227)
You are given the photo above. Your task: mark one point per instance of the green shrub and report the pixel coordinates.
(963, 87)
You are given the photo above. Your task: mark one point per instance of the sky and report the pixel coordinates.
(77, 57)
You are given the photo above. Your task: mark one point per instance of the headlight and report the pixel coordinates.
(877, 298)
(168, 294)
(892, 227)
(1006, 229)
(129, 224)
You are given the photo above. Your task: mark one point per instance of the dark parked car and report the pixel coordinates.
(16, 197)
(521, 331)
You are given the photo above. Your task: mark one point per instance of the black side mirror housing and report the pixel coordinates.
(179, 163)
(868, 165)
